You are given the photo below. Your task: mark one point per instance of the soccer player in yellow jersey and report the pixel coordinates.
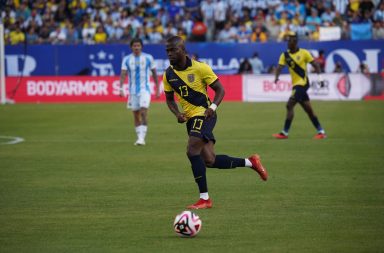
(188, 80)
(297, 59)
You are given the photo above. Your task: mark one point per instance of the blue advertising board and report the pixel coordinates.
(225, 58)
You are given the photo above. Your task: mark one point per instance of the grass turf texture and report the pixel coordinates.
(77, 184)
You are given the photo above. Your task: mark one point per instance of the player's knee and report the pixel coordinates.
(192, 152)
(209, 161)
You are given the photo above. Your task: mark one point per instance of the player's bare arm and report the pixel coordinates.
(123, 75)
(317, 68)
(157, 86)
(172, 105)
(278, 71)
(219, 95)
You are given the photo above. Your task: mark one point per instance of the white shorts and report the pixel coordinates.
(142, 100)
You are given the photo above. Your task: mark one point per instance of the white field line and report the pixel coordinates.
(9, 140)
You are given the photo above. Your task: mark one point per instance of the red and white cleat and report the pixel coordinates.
(320, 136)
(201, 204)
(280, 136)
(258, 167)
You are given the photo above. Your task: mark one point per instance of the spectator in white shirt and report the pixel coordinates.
(257, 64)
(228, 34)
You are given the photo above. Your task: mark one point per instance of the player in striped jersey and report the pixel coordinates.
(188, 80)
(297, 59)
(138, 66)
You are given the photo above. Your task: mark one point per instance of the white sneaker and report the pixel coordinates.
(140, 143)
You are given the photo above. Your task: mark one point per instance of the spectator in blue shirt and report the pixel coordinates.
(313, 20)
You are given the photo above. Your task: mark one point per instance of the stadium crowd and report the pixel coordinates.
(241, 21)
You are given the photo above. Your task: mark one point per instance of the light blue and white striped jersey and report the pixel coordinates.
(138, 70)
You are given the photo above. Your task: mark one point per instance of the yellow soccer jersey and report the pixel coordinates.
(297, 65)
(190, 86)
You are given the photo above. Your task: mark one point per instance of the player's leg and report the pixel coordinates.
(315, 121)
(137, 122)
(228, 162)
(194, 149)
(143, 123)
(134, 105)
(288, 119)
(144, 102)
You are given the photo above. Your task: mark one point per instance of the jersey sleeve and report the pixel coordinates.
(308, 56)
(282, 59)
(207, 74)
(123, 64)
(167, 86)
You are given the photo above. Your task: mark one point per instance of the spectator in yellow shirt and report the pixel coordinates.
(16, 36)
(100, 35)
(258, 35)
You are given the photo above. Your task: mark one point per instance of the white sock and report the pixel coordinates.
(248, 163)
(138, 131)
(144, 130)
(285, 133)
(321, 131)
(204, 195)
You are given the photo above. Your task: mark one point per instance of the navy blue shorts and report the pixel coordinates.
(299, 93)
(201, 127)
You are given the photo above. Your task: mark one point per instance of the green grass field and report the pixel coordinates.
(77, 183)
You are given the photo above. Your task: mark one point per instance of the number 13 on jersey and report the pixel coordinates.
(197, 124)
(183, 90)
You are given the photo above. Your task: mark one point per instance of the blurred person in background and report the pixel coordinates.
(363, 68)
(257, 64)
(207, 8)
(138, 66)
(32, 37)
(378, 30)
(338, 68)
(199, 31)
(58, 36)
(100, 36)
(16, 36)
(297, 59)
(378, 15)
(320, 61)
(245, 67)
(258, 35)
(228, 34)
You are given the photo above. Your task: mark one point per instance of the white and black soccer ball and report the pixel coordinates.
(187, 224)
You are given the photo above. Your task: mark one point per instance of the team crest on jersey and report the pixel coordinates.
(298, 58)
(191, 78)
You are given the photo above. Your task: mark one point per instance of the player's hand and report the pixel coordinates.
(209, 112)
(181, 118)
(121, 92)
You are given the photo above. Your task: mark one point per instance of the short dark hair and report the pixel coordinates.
(136, 40)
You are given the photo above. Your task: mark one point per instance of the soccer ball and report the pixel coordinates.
(187, 224)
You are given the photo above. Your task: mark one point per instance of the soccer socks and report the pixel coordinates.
(204, 195)
(138, 131)
(227, 162)
(198, 169)
(316, 123)
(141, 132)
(287, 126)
